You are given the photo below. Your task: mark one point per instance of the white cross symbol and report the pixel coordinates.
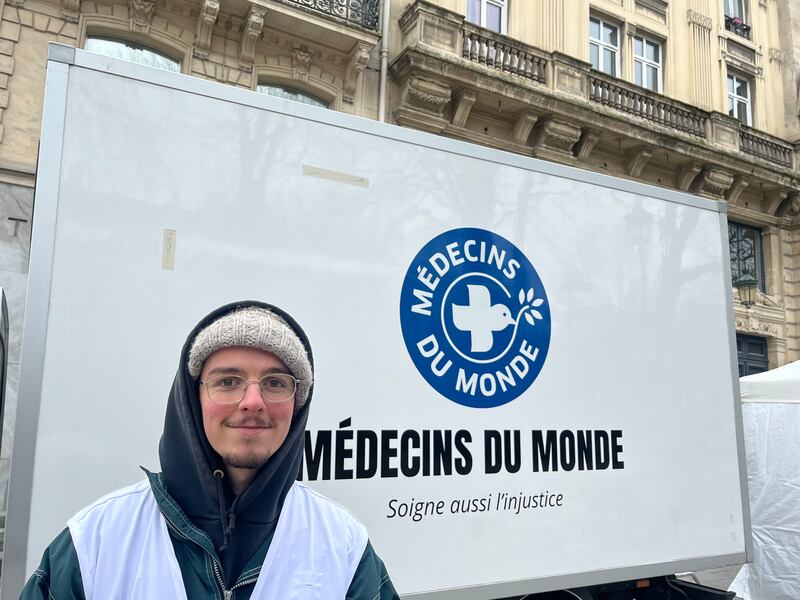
(481, 318)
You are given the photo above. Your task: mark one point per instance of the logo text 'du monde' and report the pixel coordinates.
(475, 317)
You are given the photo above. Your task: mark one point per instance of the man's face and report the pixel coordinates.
(246, 434)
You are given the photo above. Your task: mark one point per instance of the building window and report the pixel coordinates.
(288, 93)
(132, 52)
(740, 104)
(736, 17)
(747, 253)
(647, 67)
(751, 352)
(490, 14)
(604, 46)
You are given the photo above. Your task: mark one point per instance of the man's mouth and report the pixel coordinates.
(249, 426)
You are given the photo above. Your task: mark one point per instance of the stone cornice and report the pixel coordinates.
(659, 6)
(462, 74)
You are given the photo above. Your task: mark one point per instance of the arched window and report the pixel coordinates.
(288, 93)
(132, 52)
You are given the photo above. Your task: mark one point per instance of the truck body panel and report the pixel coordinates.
(162, 196)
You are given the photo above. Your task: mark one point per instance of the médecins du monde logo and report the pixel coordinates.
(475, 317)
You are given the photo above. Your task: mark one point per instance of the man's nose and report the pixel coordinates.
(252, 397)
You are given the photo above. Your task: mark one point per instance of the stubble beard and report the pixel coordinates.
(247, 459)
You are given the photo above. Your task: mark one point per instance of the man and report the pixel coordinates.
(225, 518)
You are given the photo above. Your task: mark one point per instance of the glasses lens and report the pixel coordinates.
(227, 389)
(277, 387)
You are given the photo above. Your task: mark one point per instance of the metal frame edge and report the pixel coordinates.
(737, 395)
(220, 91)
(576, 580)
(37, 306)
(61, 53)
(41, 270)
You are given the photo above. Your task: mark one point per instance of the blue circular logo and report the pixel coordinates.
(475, 317)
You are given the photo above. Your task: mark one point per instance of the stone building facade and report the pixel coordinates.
(695, 95)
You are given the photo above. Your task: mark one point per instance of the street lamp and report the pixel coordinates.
(747, 286)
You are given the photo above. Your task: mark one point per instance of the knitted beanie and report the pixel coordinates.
(255, 327)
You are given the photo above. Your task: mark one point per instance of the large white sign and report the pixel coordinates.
(524, 375)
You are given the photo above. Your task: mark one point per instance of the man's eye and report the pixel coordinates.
(227, 383)
(274, 383)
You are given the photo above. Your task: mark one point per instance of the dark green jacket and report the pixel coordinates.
(59, 577)
(220, 538)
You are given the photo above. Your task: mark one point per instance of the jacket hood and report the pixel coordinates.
(194, 473)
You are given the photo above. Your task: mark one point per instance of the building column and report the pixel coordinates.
(699, 53)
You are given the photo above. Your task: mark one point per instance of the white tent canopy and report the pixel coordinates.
(778, 385)
(771, 415)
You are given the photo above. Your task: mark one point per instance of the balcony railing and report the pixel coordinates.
(503, 53)
(645, 104)
(357, 12)
(737, 26)
(429, 27)
(762, 146)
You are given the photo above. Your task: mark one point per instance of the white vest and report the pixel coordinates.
(125, 553)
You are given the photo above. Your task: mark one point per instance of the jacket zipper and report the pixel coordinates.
(238, 584)
(226, 594)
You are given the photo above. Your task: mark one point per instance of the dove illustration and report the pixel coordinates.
(481, 318)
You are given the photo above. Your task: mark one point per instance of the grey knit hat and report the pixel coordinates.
(255, 327)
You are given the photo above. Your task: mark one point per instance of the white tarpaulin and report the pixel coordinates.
(771, 414)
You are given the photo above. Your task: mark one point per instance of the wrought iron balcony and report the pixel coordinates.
(357, 12)
(737, 26)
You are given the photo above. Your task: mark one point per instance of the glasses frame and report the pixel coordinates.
(246, 387)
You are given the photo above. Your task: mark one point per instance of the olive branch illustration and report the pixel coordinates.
(529, 305)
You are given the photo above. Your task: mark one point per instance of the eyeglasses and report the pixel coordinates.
(231, 389)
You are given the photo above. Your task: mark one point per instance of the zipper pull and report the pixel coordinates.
(227, 594)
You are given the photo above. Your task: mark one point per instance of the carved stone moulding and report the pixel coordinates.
(736, 189)
(555, 139)
(743, 66)
(782, 202)
(753, 323)
(253, 25)
(637, 160)
(699, 20)
(422, 104)
(301, 61)
(355, 66)
(463, 101)
(712, 183)
(141, 14)
(209, 11)
(523, 124)
(586, 143)
(790, 206)
(687, 174)
(426, 94)
(655, 9)
(777, 56)
(71, 10)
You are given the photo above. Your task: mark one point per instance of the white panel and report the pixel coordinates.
(635, 287)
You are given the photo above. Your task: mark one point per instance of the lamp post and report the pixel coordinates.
(747, 286)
